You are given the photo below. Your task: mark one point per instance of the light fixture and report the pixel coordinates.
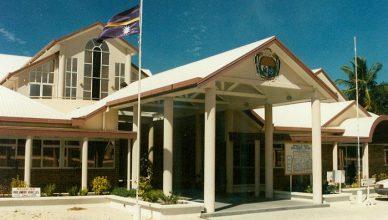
(289, 98)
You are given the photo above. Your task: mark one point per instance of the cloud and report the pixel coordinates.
(195, 51)
(11, 36)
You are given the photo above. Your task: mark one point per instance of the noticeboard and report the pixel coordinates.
(368, 182)
(29, 192)
(298, 159)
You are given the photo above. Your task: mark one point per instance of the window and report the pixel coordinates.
(36, 153)
(71, 78)
(244, 162)
(96, 70)
(101, 154)
(20, 152)
(386, 156)
(41, 81)
(278, 153)
(7, 152)
(72, 156)
(45, 153)
(50, 154)
(120, 76)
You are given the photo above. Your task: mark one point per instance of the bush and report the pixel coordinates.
(84, 192)
(100, 184)
(152, 195)
(168, 200)
(144, 185)
(49, 189)
(309, 189)
(4, 189)
(121, 191)
(16, 183)
(326, 188)
(132, 193)
(73, 191)
(380, 176)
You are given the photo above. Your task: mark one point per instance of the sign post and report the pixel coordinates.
(368, 182)
(298, 160)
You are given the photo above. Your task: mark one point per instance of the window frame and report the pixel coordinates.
(42, 79)
(92, 47)
(119, 75)
(72, 85)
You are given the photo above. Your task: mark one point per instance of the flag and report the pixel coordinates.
(123, 24)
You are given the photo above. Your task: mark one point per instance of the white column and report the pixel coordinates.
(129, 160)
(257, 167)
(210, 149)
(84, 183)
(61, 73)
(135, 148)
(151, 134)
(365, 161)
(128, 61)
(168, 144)
(335, 156)
(198, 147)
(28, 161)
(268, 151)
(229, 151)
(316, 150)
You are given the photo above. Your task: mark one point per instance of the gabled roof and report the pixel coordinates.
(322, 75)
(299, 115)
(53, 47)
(173, 78)
(192, 75)
(19, 108)
(10, 63)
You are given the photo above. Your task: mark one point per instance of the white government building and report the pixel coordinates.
(221, 124)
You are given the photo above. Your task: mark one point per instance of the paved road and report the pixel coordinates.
(336, 211)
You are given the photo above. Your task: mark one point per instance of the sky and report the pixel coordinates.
(177, 32)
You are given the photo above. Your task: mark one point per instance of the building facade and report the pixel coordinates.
(220, 124)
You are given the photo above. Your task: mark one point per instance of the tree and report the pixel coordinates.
(380, 99)
(366, 82)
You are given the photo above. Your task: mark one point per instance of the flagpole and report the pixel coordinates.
(359, 192)
(137, 215)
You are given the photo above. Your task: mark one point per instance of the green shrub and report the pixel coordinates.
(16, 183)
(4, 189)
(152, 195)
(121, 191)
(326, 188)
(73, 191)
(380, 176)
(144, 185)
(84, 192)
(309, 189)
(170, 199)
(49, 189)
(100, 184)
(132, 193)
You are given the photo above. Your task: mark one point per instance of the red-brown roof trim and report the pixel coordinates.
(36, 120)
(63, 133)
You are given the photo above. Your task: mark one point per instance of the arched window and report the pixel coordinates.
(96, 70)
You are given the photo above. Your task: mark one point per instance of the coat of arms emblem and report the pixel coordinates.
(267, 64)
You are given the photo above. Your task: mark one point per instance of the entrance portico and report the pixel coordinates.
(230, 82)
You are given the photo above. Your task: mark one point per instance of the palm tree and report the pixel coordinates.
(366, 81)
